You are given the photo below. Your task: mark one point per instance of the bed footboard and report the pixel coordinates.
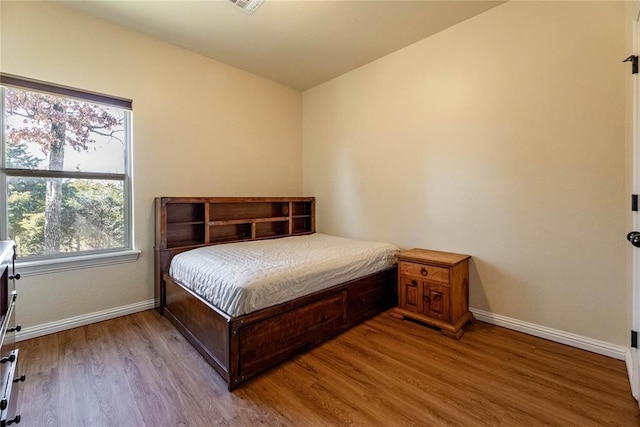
(206, 328)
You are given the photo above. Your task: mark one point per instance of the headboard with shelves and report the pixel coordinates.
(184, 223)
(189, 221)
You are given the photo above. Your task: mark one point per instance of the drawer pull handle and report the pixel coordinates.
(424, 272)
(18, 328)
(15, 276)
(10, 359)
(414, 283)
(16, 420)
(362, 300)
(325, 317)
(19, 380)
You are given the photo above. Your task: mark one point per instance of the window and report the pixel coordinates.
(66, 170)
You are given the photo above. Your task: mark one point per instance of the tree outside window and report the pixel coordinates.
(65, 172)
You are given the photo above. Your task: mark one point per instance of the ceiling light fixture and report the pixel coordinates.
(249, 6)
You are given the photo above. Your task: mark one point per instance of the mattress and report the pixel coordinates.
(243, 277)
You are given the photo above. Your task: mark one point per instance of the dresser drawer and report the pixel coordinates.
(11, 389)
(429, 272)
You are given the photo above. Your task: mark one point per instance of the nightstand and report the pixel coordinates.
(433, 287)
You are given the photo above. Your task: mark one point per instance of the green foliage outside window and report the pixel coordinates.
(82, 206)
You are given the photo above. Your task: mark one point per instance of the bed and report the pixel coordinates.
(267, 314)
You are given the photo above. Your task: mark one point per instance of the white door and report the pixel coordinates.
(634, 361)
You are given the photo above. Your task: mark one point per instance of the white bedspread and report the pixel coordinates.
(240, 278)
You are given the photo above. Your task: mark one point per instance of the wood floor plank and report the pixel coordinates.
(139, 371)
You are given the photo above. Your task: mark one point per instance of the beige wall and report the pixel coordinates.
(201, 128)
(502, 137)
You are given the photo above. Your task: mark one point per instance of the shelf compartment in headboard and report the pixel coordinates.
(183, 222)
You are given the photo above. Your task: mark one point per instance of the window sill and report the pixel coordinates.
(57, 265)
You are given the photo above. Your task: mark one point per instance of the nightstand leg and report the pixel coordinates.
(452, 334)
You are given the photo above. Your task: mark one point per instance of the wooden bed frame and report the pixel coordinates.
(242, 347)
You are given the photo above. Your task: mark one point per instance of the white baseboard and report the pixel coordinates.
(85, 319)
(573, 340)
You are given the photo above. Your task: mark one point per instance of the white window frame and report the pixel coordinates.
(80, 260)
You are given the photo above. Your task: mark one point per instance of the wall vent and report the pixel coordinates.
(249, 6)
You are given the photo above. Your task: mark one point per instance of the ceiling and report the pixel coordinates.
(298, 43)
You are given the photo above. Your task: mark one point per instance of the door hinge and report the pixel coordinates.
(634, 202)
(634, 339)
(634, 63)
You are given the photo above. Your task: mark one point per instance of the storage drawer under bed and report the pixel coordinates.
(281, 336)
(366, 300)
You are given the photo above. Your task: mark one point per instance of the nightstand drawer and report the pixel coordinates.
(429, 272)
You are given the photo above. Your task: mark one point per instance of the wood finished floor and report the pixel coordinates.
(138, 370)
